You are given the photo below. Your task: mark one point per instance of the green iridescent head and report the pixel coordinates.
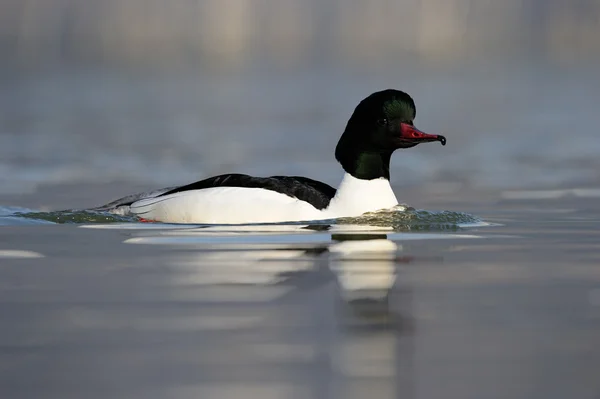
(381, 123)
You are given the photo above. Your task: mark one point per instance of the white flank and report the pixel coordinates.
(236, 205)
(225, 205)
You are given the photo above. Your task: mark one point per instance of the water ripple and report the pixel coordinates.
(404, 218)
(400, 218)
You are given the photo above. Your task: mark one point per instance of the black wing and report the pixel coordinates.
(312, 191)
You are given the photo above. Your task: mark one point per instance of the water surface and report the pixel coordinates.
(488, 288)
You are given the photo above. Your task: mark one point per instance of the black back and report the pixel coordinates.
(312, 191)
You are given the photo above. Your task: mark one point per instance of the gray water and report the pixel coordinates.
(488, 287)
(507, 309)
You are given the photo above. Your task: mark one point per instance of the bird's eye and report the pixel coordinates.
(382, 122)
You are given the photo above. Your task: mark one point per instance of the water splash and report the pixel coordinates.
(399, 218)
(76, 217)
(405, 218)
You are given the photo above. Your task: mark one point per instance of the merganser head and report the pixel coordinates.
(380, 124)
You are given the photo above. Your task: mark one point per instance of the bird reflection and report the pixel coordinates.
(362, 263)
(334, 292)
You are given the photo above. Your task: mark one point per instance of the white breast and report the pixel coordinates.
(225, 205)
(356, 196)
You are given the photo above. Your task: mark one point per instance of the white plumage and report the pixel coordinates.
(236, 205)
(224, 205)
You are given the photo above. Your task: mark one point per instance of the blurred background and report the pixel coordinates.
(152, 93)
(104, 98)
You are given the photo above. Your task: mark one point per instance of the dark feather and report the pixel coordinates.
(312, 191)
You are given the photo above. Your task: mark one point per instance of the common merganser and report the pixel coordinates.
(380, 124)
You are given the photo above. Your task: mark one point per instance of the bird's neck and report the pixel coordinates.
(371, 165)
(365, 165)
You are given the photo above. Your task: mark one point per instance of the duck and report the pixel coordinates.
(381, 123)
